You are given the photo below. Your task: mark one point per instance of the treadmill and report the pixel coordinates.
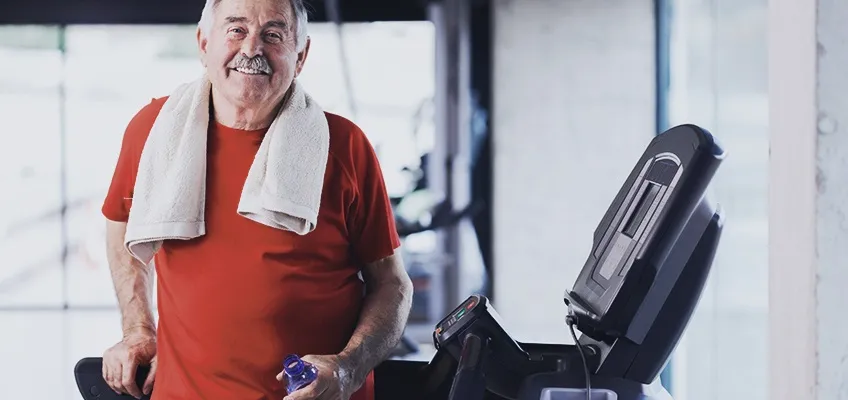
(650, 258)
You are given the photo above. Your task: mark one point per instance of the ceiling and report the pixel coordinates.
(69, 12)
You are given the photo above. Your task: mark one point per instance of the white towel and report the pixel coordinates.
(282, 190)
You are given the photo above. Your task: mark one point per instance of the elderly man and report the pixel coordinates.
(264, 215)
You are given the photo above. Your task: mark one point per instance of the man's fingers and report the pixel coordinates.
(308, 392)
(108, 369)
(128, 379)
(148, 382)
(105, 371)
(115, 377)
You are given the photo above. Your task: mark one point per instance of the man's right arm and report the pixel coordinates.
(132, 280)
(133, 283)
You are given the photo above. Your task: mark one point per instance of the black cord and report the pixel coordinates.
(570, 321)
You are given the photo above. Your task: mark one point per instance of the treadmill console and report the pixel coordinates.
(472, 309)
(660, 194)
(501, 356)
(651, 255)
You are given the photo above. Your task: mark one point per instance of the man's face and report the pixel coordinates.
(250, 51)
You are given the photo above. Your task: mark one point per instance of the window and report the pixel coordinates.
(110, 73)
(719, 81)
(31, 242)
(392, 73)
(82, 96)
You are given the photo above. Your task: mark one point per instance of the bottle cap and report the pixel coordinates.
(293, 365)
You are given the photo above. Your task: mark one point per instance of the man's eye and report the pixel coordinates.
(236, 30)
(275, 36)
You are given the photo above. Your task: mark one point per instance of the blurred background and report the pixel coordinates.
(504, 129)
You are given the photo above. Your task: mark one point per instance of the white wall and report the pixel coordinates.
(574, 95)
(809, 200)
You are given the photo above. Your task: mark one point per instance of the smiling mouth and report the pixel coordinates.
(250, 71)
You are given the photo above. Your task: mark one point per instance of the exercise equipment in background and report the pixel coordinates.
(651, 256)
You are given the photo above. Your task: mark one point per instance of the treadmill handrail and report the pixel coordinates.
(469, 383)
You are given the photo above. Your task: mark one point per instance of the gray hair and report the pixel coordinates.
(298, 9)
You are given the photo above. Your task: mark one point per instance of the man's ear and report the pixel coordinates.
(201, 45)
(301, 57)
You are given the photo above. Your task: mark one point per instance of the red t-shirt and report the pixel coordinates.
(234, 302)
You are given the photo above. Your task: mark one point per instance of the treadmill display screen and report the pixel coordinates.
(641, 210)
(451, 320)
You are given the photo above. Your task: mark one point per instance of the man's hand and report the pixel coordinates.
(121, 361)
(335, 380)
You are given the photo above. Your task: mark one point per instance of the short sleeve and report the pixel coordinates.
(116, 205)
(374, 234)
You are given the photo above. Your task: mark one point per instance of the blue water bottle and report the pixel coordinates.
(298, 373)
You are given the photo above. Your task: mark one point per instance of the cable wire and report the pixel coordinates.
(334, 13)
(571, 321)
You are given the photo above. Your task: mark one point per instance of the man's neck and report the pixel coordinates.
(239, 117)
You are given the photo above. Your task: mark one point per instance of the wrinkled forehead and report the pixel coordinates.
(260, 12)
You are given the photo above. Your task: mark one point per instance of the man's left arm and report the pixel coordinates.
(388, 297)
(385, 310)
(388, 289)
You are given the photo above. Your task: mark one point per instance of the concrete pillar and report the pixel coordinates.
(808, 212)
(574, 107)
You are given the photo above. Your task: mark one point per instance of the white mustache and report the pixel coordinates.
(259, 63)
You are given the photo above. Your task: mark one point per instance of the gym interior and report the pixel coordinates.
(505, 129)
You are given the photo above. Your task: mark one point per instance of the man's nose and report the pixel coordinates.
(252, 45)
